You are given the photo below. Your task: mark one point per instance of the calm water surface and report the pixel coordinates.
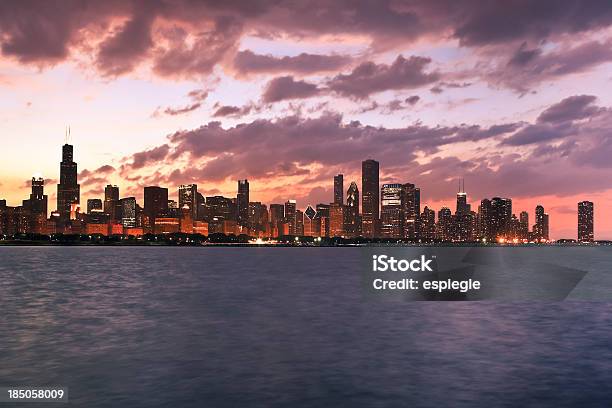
(268, 327)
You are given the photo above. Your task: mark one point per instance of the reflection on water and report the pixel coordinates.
(236, 327)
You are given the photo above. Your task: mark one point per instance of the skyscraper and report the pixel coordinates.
(353, 220)
(35, 208)
(242, 201)
(111, 202)
(585, 221)
(411, 206)
(68, 190)
(339, 189)
(128, 212)
(524, 224)
(391, 222)
(336, 220)
(155, 203)
(188, 194)
(290, 216)
(370, 198)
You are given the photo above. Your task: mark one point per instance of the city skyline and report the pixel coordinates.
(512, 97)
(388, 210)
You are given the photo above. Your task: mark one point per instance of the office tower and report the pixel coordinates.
(391, 215)
(370, 198)
(173, 209)
(336, 220)
(94, 204)
(187, 195)
(463, 228)
(524, 225)
(277, 213)
(155, 204)
(299, 223)
(495, 218)
(222, 208)
(128, 212)
(35, 208)
(353, 220)
(68, 190)
(323, 211)
(411, 208)
(201, 207)
(111, 202)
(312, 228)
(242, 201)
(585, 221)
(444, 228)
(427, 225)
(339, 189)
(290, 215)
(541, 227)
(258, 216)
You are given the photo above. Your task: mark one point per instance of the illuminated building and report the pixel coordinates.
(258, 216)
(312, 225)
(323, 217)
(411, 208)
(370, 198)
(128, 212)
(495, 218)
(94, 204)
(111, 202)
(299, 223)
(585, 221)
(242, 202)
(155, 205)
(541, 226)
(221, 208)
(166, 225)
(339, 189)
(35, 208)
(290, 216)
(186, 220)
(96, 229)
(200, 227)
(336, 220)
(427, 225)
(463, 222)
(391, 215)
(187, 195)
(352, 222)
(444, 228)
(68, 190)
(524, 225)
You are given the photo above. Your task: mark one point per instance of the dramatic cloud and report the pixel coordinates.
(369, 78)
(197, 96)
(287, 87)
(247, 62)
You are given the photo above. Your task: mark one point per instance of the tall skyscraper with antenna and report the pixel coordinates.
(68, 190)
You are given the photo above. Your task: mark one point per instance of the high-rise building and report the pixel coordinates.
(111, 202)
(339, 189)
(187, 195)
(541, 226)
(155, 204)
(411, 206)
(444, 228)
(35, 208)
(370, 199)
(336, 220)
(427, 225)
(352, 223)
(524, 225)
(463, 225)
(585, 222)
(242, 202)
(299, 223)
(68, 190)
(495, 218)
(94, 204)
(392, 215)
(290, 216)
(323, 211)
(128, 212)
(312, 224)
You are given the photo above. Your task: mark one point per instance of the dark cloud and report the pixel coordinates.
(233, 111)
(197, 96)
(143, 158)
(247, 62)
(183, 110)
(368, 77)
(572, 108)
(412, 100)
(287, 87)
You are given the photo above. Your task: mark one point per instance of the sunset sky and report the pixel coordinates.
(513, 96)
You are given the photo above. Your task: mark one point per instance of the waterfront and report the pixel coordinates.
(227, 327)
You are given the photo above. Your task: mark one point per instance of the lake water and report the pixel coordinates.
(272, 327)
